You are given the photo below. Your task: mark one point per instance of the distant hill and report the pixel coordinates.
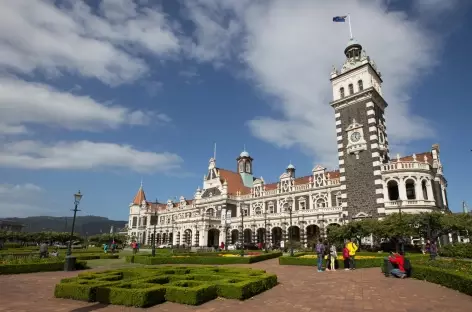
(89, 225)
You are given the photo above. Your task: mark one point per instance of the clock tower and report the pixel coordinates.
(361, 132)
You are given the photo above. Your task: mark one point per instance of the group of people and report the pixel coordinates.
(113, 247)
(329, 252)
(43, 251)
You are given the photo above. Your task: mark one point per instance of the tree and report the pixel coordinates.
(106, 238)
(395, 228)
(436, 224)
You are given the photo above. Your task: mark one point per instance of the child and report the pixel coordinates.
(334, 255)
(346, 258)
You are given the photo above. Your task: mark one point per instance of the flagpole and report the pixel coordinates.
(349, 20)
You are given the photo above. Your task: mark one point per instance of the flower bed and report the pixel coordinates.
(201, 259)
(144, 287)
(309, 259)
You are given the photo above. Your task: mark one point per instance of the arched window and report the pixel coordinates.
(425, 190)
(210, 212)
(258, 211)
(285, 207)
(302, 205)
(410, 189)
(392, 187)
(341, 92)
(360, 85)
(248, 167)
(241, 166)
(320, 203)
(338, 200)
(351, 89)
(271, 208)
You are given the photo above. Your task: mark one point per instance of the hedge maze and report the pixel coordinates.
(145, 287)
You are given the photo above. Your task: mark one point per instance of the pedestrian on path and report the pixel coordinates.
(320, 251)
(334, 256)
(346, 257)
(352, 247)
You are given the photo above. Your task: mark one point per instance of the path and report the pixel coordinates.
(300, 289)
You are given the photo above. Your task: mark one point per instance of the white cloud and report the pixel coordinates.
(38, 36)
(85, 155)
(21, 200)
(25, 103)
(289, 49)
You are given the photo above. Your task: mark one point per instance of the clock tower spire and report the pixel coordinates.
(361, 133)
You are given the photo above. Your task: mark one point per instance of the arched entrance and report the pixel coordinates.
(260, 235)
(213, 238)
(312, 235)
(294, 233)
(188, 237)
(276, 236)
(234, 236)
(247, 235)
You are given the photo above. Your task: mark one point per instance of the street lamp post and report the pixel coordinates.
(69, 264)
(265, 231)
(153, 245)
(290, 230)
(402, 245)
(242, 228)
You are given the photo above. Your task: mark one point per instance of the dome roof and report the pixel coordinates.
(244, 154)
(290, 166)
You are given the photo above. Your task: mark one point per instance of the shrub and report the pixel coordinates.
(200, 259)
(457, 251)
(144, 287)
(131, 294)
(361, 261)
(456, 280)
(46, 266)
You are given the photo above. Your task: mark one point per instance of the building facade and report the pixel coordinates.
(235, 206)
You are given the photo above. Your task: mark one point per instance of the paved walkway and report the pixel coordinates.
(301, 289)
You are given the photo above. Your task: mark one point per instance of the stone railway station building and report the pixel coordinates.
(235, 205)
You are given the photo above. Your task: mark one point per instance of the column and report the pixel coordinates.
(385, 191)
(429, 190)
(402, 189)
(330, 203)
(418, 190)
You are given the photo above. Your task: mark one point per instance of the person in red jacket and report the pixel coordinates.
(399, 260)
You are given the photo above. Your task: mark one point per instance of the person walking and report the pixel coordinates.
(43, 250)
(352, 247)
(320, 251)
(433, 250)
(333, 255)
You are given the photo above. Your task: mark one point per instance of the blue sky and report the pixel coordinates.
(99, 97)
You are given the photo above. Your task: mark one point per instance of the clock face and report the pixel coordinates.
(355, 136)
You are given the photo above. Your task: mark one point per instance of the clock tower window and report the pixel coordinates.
(351, 89)
(341, 92)
(360, 85)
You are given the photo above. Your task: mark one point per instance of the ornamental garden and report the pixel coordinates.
(140, 280)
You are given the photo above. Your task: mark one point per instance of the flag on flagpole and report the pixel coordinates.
(340, 19)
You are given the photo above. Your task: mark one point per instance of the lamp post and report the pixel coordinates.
(290, 229)
(265, 231)
(242, 228)
(153, 245)
(402, 245)
(69, 264)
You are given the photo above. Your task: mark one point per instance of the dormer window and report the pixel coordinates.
(241, 166)
(341, 92)
(360, 85)
(248, 167)
(351, 89)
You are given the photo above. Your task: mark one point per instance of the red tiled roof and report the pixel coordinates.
(234, 180)
(139, 197)
(163, 206)
(419, 158)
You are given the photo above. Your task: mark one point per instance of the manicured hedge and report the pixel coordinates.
(96, 256)
(144, 287)
(360, 263)
(38, 267)
(460, 250)
(456, 280)
(193, 259)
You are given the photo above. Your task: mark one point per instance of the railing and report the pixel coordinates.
(409, 203)
(270, 192)
(405, 165)
(302, 187)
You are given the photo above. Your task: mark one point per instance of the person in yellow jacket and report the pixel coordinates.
(352, 247)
